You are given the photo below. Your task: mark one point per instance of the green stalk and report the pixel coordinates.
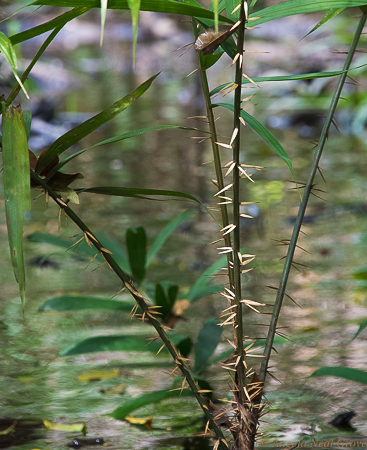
(217, 159)
(140, 300)
(302, 209)
(238, 321)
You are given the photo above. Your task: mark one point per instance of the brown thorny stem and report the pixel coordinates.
(148, 312)
(302, 209)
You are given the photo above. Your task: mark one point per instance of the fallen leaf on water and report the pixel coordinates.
(65, 427)
(147, 422)
(99, 375)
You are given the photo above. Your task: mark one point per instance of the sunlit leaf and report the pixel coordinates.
(16, 186)
(207, 341)
(136, 243)
(329, 15)
(263, 132)
(6, 48)
(76, 303)
(147, 399)
(75, 427)
(134, 6)
(76, 134)
(166, 233)
(342, 372)
(147, 422)
(97, 375)
(292, 7)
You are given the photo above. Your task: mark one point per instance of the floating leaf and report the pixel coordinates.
(75, 427)
(147, 422)
(147, 399)
(342, 372)
(97, 375)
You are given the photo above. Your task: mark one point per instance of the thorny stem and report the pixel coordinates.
(302, 209)
(141, 301)
(217, 159)
(238, 321)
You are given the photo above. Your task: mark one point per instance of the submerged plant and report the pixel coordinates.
(239, 427)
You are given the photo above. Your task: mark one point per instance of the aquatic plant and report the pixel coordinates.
(247, 406)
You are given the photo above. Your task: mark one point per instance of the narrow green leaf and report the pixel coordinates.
(162, 6)
(136, 243)
(27, 116)
(165, 296)
(201, 286)
(208, 340)
(293, 7)
(342, 372)
(230, 6)
(6, 48)
(103, 18)
(136, 192)
(73, 136)
(147, 399)
(329, 15)
(362, 326)
(16, 186)
(209, 60)
(58, 21)
(263, 132)
(134, 6)
(303, 76)
(76, 303)
(166, 233)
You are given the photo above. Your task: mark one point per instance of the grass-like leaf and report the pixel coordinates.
(362, 326)
(16, 186)
(207, 341)
(166, 233)
(263, 132)
(329, 15)
(6, 48)
(342, 372)
(147, 399)
(137, 193)
(162, 6)
(201, 287)
(77, 303)
(302, 76)
(134, 6)
(292, 7)
(76, 134)
(103, 18)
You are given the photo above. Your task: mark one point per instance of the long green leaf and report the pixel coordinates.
(103, 18)
(162, 6)
(76, 303)
(73, 136)
(263, 132)
(166, 233)
(134, 6)
(362, 326)
(6, 48)
(136, 192)
(16, 186)
(201, 285)
(342, 372)
(329, 15)
(147, 399)
(59, 21)
(302, 76)
(292, 7)
(208, 340)
(136, 243)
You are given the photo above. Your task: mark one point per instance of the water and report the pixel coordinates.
(37, 384)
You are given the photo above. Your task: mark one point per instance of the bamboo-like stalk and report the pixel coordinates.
(140, 300)
(306, 195)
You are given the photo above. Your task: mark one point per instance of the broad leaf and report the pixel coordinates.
(166, 233)
(16, 186)
(76, 303)
(147, 399)
(136, 243)
(208, 340)
(76, 134)
(263, 132)
(342, 372)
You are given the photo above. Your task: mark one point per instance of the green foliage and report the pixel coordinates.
(77, 303)
(342, 372)
(208, 339)
(136, 243)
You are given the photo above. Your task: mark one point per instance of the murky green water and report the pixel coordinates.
(37, 384)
